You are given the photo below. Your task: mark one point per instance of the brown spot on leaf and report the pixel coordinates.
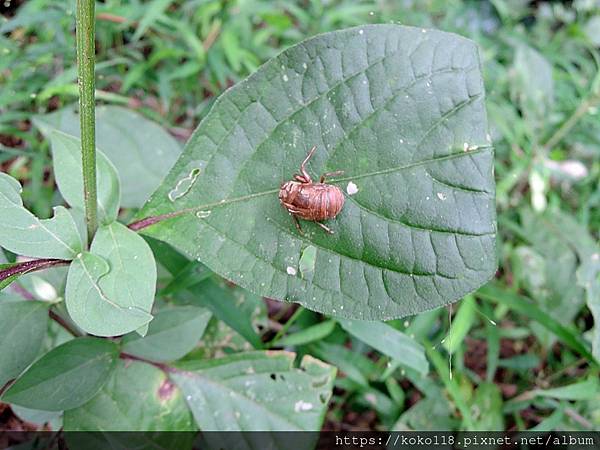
(165, 390)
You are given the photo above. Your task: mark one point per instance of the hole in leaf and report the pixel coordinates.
(323, 396)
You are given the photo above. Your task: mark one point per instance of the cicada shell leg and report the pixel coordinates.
(325, 227)
(297, 223)
(303, 165)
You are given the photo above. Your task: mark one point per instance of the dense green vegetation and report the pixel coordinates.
(519, 353)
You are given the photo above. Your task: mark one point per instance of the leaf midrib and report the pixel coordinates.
(226, 202)
(39, 221)
(62, 373)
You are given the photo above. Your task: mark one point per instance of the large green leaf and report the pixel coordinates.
(172, 334)
(257, 391)
(23, 233)
(65, 377)
(140, 149)
(110, 290)
(401, 111)
(137, 397)
(22, 330)
(66, 159)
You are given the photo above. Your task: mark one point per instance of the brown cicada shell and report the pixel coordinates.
(307, 200)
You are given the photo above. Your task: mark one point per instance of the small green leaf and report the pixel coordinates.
(355, 365)
(65, 377)
(110, 290)
(66, 160)
(22, 330)
(257, 391)
(136, 397)
(583, 390)
(400, 110)
(389, 341)
(307, 335)
(429, 414)
(153, 11)
(171, 335)
(533, 85)
(141, 150)
(24, 234)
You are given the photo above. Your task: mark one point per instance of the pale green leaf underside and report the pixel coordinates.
(140, 149)
(66, 158)
(401, 111)
(24, 234)
(110, 290)
(257, 391)
(172, 334)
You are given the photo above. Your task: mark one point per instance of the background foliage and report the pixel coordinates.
(516, 354)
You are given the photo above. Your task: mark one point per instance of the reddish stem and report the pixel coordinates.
(30, 266)
(146, 222)
(163, 367)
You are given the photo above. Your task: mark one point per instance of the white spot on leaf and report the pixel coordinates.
(203, 214)
(352, 188)
(290, 270)
(184, 185)
(301, 405)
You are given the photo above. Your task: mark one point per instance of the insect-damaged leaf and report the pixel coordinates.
(136, 397)
(23, 233)
(401, 111)
(257, 391)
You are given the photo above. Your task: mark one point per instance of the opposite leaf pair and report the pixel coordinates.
(110, 289)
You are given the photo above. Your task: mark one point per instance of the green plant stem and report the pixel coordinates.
(85, 69)
(563, 130)
(286, 326)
